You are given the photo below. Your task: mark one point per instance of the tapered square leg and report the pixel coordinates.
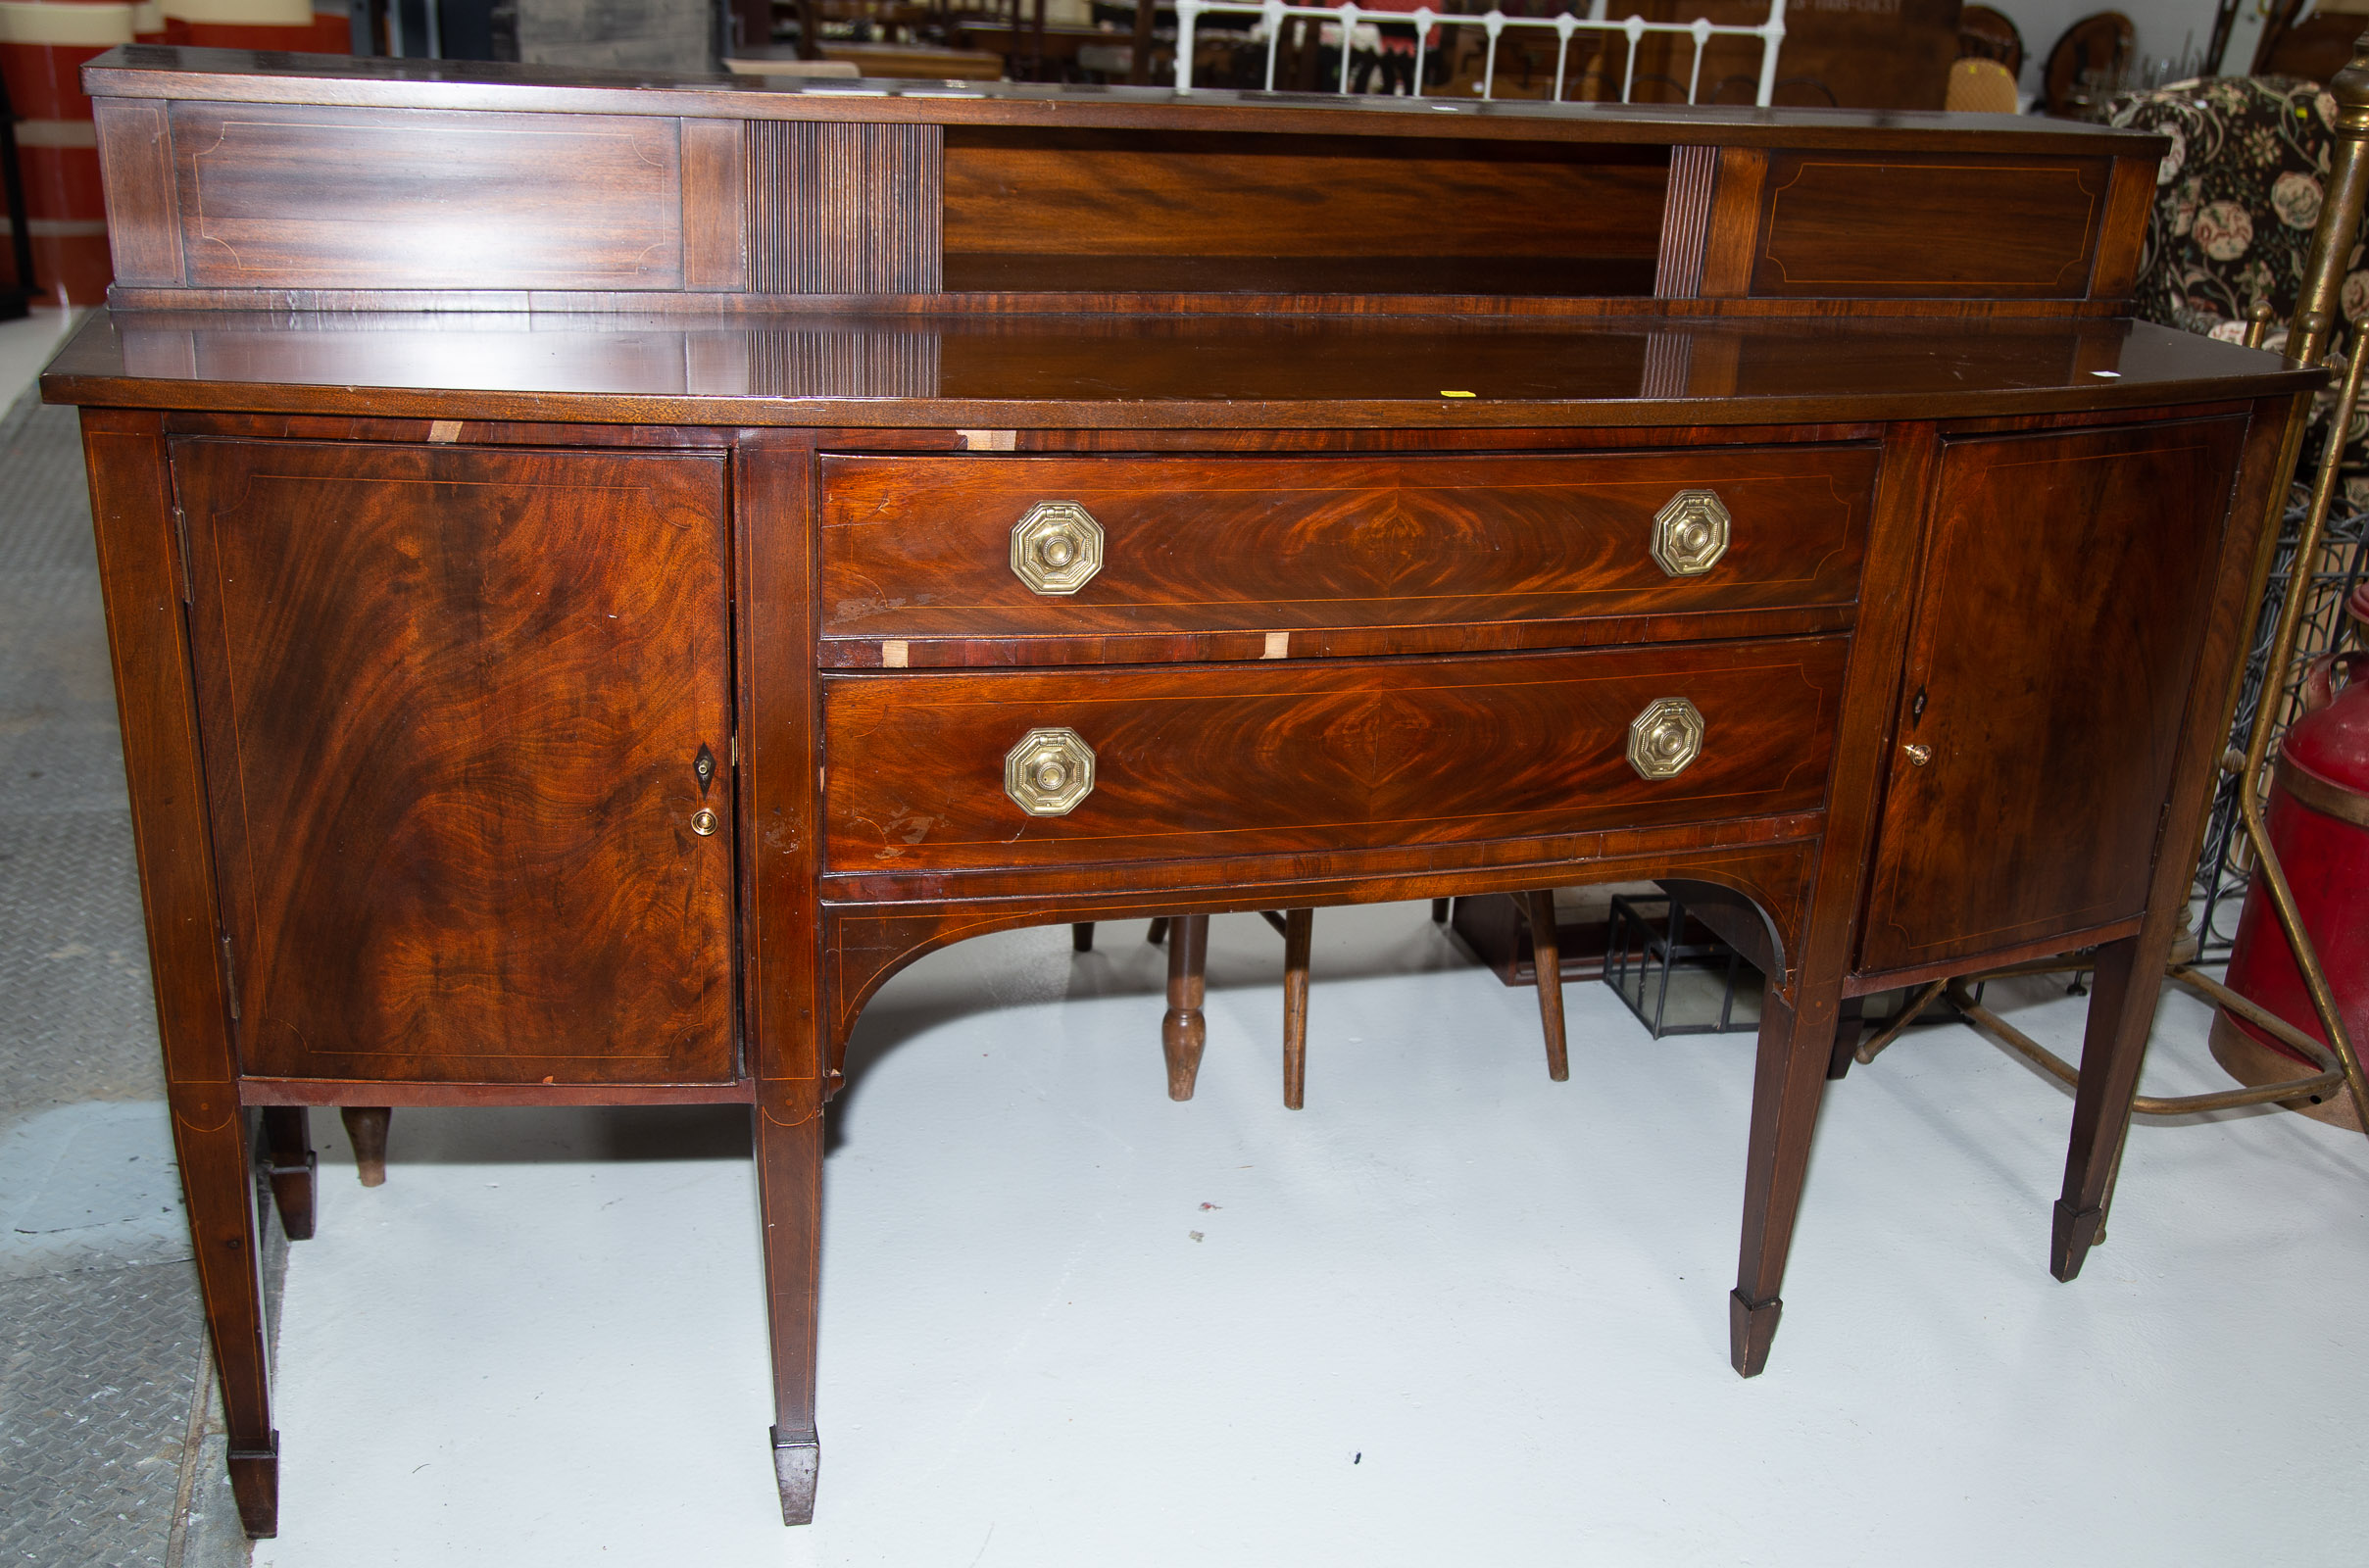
(797, 1466)
(1750, 1329)
(1081, 937)
(1185, 1030)
(210, 1139)
(2123, 992)
(1789, 1081)
(255, 1486)
(789, 1195)
(1546, 945)
(289, 1160)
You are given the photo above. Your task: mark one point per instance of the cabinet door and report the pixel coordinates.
(454, 701)
(2066, 584)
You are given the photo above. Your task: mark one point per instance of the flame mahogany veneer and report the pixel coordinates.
(557, 537)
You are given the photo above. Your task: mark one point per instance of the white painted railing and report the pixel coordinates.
(1495, 24)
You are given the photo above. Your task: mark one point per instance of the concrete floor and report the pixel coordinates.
(1450, 1311)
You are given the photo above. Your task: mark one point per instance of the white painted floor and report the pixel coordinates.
(1451, 1312)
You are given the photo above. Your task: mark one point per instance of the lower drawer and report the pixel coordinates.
(939, 772)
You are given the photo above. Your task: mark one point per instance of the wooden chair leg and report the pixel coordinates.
(1158, 933)
(1185, 1031)
(1550, 964)
(290, 1162)
(1299, 925)
(1081, 937)
(366, 1128)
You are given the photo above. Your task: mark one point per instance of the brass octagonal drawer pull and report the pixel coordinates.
(1049, 772)
(1666, 737)
(1690, 533)
(1057, 547)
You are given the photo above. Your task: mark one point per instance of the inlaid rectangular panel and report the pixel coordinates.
(921, 548)
(454, 701)
(1324, 755)
(1928, 225)
(2048, 671)
(280, 196)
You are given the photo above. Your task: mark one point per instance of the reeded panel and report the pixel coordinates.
(1328, 755)
(843, 208)
(275, 196)
(2063, 604)
(454, 703)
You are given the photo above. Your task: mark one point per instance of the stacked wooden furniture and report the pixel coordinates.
(603, 574)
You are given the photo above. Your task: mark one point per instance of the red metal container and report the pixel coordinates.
(2318, 818)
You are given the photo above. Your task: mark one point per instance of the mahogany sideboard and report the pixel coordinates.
(603, 572)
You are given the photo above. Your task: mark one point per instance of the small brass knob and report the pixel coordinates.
(1690, 533)
(1665, 739)
(705, 822)
(1049, 772)
(1057, 547)
(1920, 755)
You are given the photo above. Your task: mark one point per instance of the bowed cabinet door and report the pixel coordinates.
(2068, 576)
(460, 709)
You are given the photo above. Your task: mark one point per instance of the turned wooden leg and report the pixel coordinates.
(210, 1137)
(1299, 925)
(290, 1162)
(1439, 911)
(1546, 945)
(1158, 932)
(2123, 993)
(789, 1195)
(1788, 1083)
(1081, 937)
(1184, 1031)
(365, 1129)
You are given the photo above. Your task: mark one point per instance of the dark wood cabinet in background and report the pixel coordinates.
(598, 571)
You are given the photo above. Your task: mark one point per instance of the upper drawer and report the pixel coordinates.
(1390, 550)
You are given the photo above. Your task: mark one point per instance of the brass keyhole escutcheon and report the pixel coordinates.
(1057, 547)
(1665, 739)
(1691, 533)
(1049, 772)
(705, 822)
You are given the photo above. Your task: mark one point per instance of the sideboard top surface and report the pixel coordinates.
(239, 76)
(1120, 371)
